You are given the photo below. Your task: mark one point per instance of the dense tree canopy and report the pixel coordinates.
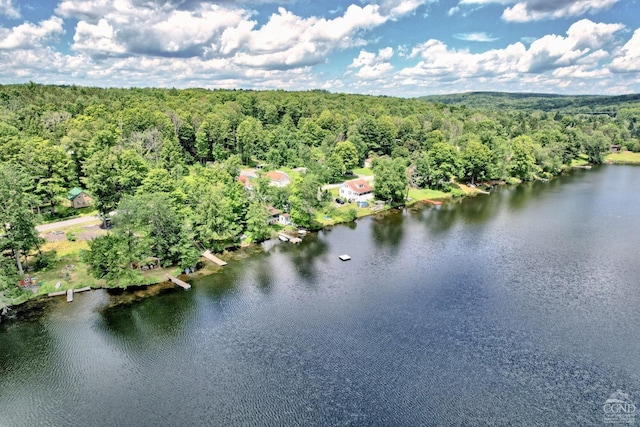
(169, 160)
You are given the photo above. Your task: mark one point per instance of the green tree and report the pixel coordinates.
(249, 137)
(160, 227)
(476, 160)
(595, 145)
(257, 219)
(108, 259)
(444, 165)
(112, 173)
(214, 220)
(523, 161)
(391, 181)
(17, 221)
(348, 153)
(305, 199)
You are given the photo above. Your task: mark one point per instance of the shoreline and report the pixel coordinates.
(38, 301)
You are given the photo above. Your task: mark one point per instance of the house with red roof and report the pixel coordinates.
(278, 178)
(356, 190)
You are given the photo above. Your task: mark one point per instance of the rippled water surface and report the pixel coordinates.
(518, 308)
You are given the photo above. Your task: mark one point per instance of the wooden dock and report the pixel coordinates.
(69, 295)
(57, 293)
(208, 255)
(178, 282)
(85, 289)
(286, 237)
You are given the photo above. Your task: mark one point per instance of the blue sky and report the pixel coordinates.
(390, 47)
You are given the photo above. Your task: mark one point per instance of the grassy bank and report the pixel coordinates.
(623, 158)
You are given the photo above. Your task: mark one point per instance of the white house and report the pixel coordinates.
(285, 219)
(278, 178)
(357, 190)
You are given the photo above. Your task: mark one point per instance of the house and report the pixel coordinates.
(78, 198)
(357, 190)
(284, 219)
(278, 178)
(246, 181)
(274, 215)
(616, 148)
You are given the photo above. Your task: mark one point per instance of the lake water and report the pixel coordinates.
(517, 308)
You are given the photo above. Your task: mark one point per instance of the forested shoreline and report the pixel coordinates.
(168, 161)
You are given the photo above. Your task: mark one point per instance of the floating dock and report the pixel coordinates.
(432, 202)
(344, 257)
(208, 255)
(178, 282)
(69, 295)
(85, 289)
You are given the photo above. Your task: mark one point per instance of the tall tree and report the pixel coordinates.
(391, 182)
(476, 160)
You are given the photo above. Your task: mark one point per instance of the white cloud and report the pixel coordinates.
(28, 36)
(8, 9)
(398, 8)
(371, 65)
(536, 10)
(475, 37)
(628, 58)
(582, 54)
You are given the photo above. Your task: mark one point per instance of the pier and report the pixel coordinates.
(208, 255)
(286, 237)
(178, 282)
(69, 295)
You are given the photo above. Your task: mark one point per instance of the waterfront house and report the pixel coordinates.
(357, 190)
(78, 198)
(278, 178)
(284, 219)
(274, 215)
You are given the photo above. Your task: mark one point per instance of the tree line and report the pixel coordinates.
(168, 160)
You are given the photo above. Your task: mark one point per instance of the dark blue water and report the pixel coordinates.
(518, 308)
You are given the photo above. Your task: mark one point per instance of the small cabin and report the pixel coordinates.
(274, 215)
(285, 219)
(78, 198)
(616, 148)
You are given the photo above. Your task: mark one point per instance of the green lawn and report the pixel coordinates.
(582, 160)
(623, 157)
(427, 193)
(363, 171)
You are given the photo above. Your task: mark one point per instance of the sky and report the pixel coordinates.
(405, 48)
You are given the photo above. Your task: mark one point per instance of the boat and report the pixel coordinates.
(283, 238)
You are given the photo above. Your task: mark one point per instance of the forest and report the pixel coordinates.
(168, 160)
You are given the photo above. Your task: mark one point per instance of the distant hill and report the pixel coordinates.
(538, 101)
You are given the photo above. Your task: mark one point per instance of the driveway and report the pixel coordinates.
(68, 223)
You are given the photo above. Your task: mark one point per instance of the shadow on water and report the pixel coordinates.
(306, 256)
(29, 336)
(148, 321)
(388, 230)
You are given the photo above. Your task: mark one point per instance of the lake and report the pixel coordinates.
(517, 308)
